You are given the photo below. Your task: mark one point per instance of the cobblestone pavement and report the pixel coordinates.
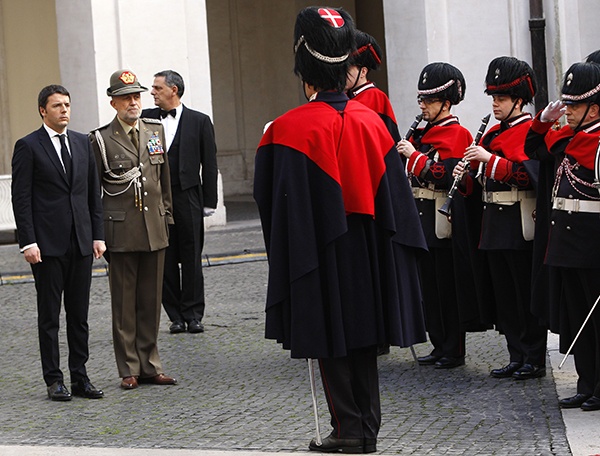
(238, 391)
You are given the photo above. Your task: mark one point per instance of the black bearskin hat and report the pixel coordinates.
(582, 84)
(442, 80)
(594, 57)
(368, 53)
(323, 42)
(511, 76)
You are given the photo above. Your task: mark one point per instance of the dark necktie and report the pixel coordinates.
(66, 157)
(164, 113)
(134, 138)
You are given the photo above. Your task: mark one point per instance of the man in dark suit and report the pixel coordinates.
(58, 211)
(191, 149)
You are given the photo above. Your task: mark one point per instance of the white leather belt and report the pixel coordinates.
(508, 197)
(576, 205)
(426, 193)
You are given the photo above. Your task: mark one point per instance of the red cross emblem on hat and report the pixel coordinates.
(127, 77)
(332, 16)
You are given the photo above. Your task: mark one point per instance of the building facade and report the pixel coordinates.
(237, 60)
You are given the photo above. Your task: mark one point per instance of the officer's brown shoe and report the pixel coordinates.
(129, 383)
(160, 379)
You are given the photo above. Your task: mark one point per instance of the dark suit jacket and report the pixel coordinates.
(45, 205)
(196, 148)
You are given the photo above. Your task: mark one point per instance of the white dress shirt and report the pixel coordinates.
(170, 125)
(56, 142)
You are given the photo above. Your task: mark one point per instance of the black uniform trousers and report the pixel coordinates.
(525, 336)
(183, 294)
(580, 289)
(70, 273)
(442, 318)
(351, 385)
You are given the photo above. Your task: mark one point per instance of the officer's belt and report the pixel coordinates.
(508, 197)
(576, 205)
(426, 193)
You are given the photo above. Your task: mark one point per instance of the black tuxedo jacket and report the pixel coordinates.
(197, 152)
(46, 206)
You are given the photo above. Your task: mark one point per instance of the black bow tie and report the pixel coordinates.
(164, 113)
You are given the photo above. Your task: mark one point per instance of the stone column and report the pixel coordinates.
(5, 146)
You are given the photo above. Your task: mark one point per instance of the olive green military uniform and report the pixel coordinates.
(136, 217)
(136, 192)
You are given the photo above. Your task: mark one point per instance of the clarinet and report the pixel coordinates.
(413, 127)
(596, 183)
(446, 209)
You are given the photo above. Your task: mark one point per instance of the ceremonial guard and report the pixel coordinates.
(137, 210)
(573, 242)
(431, 154)
(368, 57)
(509, 179)
(336, 222)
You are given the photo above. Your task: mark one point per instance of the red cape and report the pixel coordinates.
(511, 142)
(372, 97)
(448, 139)
(320, 141)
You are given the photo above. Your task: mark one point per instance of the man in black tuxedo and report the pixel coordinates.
(58, 211)
(190, 144)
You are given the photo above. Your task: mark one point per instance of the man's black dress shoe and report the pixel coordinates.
(448, 362)
(593, 403)
(195, 326)
(59, 392)
(427, 360)
(506, 371)
(332, 444)
(84, 388)
(177, 327)
(574, 401)
(528, 371)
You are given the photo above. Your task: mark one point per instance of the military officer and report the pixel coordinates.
(137, 210)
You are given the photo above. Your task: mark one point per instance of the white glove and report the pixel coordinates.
(208, 211)
(553, 111)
